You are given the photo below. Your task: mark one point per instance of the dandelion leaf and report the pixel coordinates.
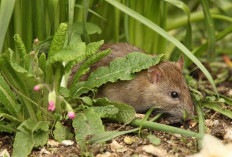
(87, 123)
(119, 69)
(125, 112)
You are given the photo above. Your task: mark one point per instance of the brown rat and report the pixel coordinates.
(161, 85)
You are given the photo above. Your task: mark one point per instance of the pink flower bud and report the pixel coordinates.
(51, 101)
(36, 41)
(51, 106)
(36, 88)
(71, 115)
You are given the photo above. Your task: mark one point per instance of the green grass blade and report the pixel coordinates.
(126, 25)
(163, 33)
(201, 121)
(85, 14)
(71, 7)
(210, 29)
(117, 24)
(91, 11)
(17, 18)
(145, 119)
(39, 18)
(52, 13)
(184, 7)
(219, 109)
(180, 5)
(27, 34)
(165, 128)
(6, 10)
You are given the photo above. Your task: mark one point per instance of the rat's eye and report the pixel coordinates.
(174, 94)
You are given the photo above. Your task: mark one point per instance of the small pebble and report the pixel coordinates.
(67, 143)
(177, 135)
(129, 140)
(116, 147)
(44, 151)
(230, 93)
(139, 115)
(157, 151)
(228, 134)
(216, 122)
(4, 153)
(208, 122)
(53, 143)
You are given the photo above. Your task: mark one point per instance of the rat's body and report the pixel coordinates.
(161, 85)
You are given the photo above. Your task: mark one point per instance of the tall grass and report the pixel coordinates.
(6, 10)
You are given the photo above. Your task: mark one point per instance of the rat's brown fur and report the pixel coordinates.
(150, 87)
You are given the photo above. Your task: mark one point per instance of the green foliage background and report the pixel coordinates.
(40, 19)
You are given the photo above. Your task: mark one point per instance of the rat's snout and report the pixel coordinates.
(189, 107)
(174, 119)
(178, 115)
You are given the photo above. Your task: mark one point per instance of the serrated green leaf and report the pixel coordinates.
(120, 68)
(42, 62)
(61, 132)
(108, 135)
(87, 123)
(7, 127)
(125, 112)
(58, 40)
(219, 109)
(106, 111)
(70, 53)
(22, 80)
(10, 117)
(84, 68)
(8, 98)
(21, 48)
(19, 79)
(93, 47)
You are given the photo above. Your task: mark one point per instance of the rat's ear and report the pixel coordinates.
(154, 74)
(180, 63)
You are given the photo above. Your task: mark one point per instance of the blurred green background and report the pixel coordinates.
(203, 26)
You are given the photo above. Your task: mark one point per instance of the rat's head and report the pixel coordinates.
(169, 91)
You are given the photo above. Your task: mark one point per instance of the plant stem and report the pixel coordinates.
(201, 121)
(165, 128)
